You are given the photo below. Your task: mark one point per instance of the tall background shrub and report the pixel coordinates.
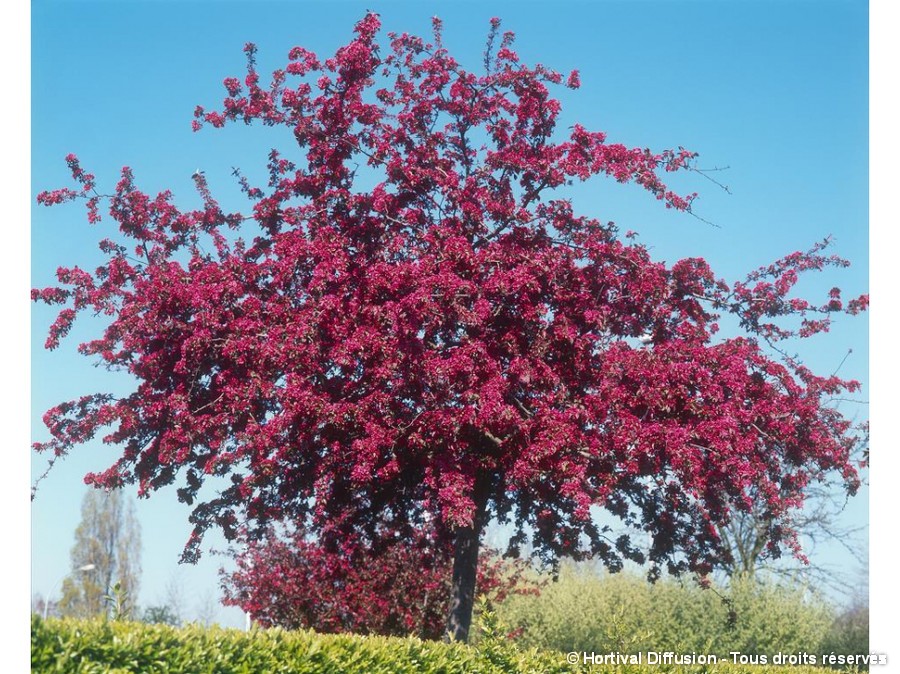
(590, 611)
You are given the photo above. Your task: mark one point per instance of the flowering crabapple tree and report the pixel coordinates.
(449, 343)
(398, 586)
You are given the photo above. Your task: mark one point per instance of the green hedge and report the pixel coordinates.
(70, 646)
(88, 647)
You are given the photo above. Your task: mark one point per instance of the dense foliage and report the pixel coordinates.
(438, 336)
(73, 646)
(402, 587)
(585, 610)
(850, 631)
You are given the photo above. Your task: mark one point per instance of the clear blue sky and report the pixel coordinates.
(777, 91)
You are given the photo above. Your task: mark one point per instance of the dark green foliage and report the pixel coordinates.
(850, 632)
(160, 614)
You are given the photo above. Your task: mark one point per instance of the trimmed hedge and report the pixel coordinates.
(93, 646)
(71, 646)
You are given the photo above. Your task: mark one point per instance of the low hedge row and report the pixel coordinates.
(70, 646)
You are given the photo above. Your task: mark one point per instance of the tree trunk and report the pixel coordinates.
(466, 545)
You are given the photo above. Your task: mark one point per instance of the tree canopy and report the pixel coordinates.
(411, 326)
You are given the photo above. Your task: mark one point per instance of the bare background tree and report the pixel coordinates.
(820, 524)
(106, 558)
(207, 610)
(175, 597)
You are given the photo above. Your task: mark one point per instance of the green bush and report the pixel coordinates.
(849, 634)
(70, 646)
(587, 611)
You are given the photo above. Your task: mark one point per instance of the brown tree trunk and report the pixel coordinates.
(465, 567)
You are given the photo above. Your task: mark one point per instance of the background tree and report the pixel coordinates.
(818, 522)
(850, 631)
(160, 614)
(108, 537)
(207, 608)
(169, 609)
(175, 597)
(416, 327)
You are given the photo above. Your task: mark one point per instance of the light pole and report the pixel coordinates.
(86, 567)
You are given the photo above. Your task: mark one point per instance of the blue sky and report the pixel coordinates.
(777, 91)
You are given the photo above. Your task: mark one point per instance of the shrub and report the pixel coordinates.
(587, 611)
(400, 586)
(849, 634)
